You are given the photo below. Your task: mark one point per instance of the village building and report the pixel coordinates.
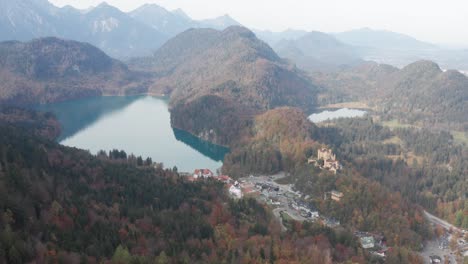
(330, 222)
(203, 173)
(336, 195)
(235, 192)
(435, 259)
(367, 242)
(224, 178)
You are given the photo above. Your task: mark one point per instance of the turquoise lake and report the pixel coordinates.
(137, 124)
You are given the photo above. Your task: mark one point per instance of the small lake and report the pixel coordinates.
(137, 124)
(334, 114)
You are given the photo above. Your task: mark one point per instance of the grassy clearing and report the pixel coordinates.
(396, 124)
(460, 137)
(393, 140)
(409, 157)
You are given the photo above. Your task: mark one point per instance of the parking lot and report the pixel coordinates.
(284, 199)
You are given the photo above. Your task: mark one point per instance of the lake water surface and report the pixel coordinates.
(136, 124)
(333, 114)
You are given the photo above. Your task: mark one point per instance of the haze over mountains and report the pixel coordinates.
(317, 51)
(119, 34)
(142, 31)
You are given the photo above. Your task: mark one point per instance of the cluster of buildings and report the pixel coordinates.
(203, 174)
(326, 160)
(240, 189)
(305, 209)
(235, 188)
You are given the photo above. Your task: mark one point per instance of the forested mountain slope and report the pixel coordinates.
(420, 93)
(51, 69)
(226, 75)
(60, 204)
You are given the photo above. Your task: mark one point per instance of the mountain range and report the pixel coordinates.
(317, 51)
(119, 34)
(381, 46)
(142, 31)
(381, 39)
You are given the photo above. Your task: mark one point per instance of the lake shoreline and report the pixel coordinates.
(138, 124)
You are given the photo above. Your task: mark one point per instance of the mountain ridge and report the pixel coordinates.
(317, 51)
(52, 69)
(421, 92)
(230, 69)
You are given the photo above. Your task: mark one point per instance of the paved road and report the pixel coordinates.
(435, 220)
(432, 247)
(276, 213)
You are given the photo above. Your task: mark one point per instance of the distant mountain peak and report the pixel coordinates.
(220, 22)
(151, 6)
(103, 4)
(181, 13)
(240, 31)
(423, 66)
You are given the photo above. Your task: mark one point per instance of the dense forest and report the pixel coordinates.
(365, 206)
(64, 205)
(278, 140)
(428, 168)
(213, 119)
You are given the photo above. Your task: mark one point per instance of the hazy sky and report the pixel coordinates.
(438, 21)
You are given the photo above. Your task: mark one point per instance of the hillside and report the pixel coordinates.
(232, 64)
(63, 205)
(358, 83)
(51, 69)
(433, 96)
(239, 73)
(317, 51)
(280, 140)
(420, 92)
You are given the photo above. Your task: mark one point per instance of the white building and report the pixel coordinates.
(235, 192)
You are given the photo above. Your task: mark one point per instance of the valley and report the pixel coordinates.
(147, 136)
